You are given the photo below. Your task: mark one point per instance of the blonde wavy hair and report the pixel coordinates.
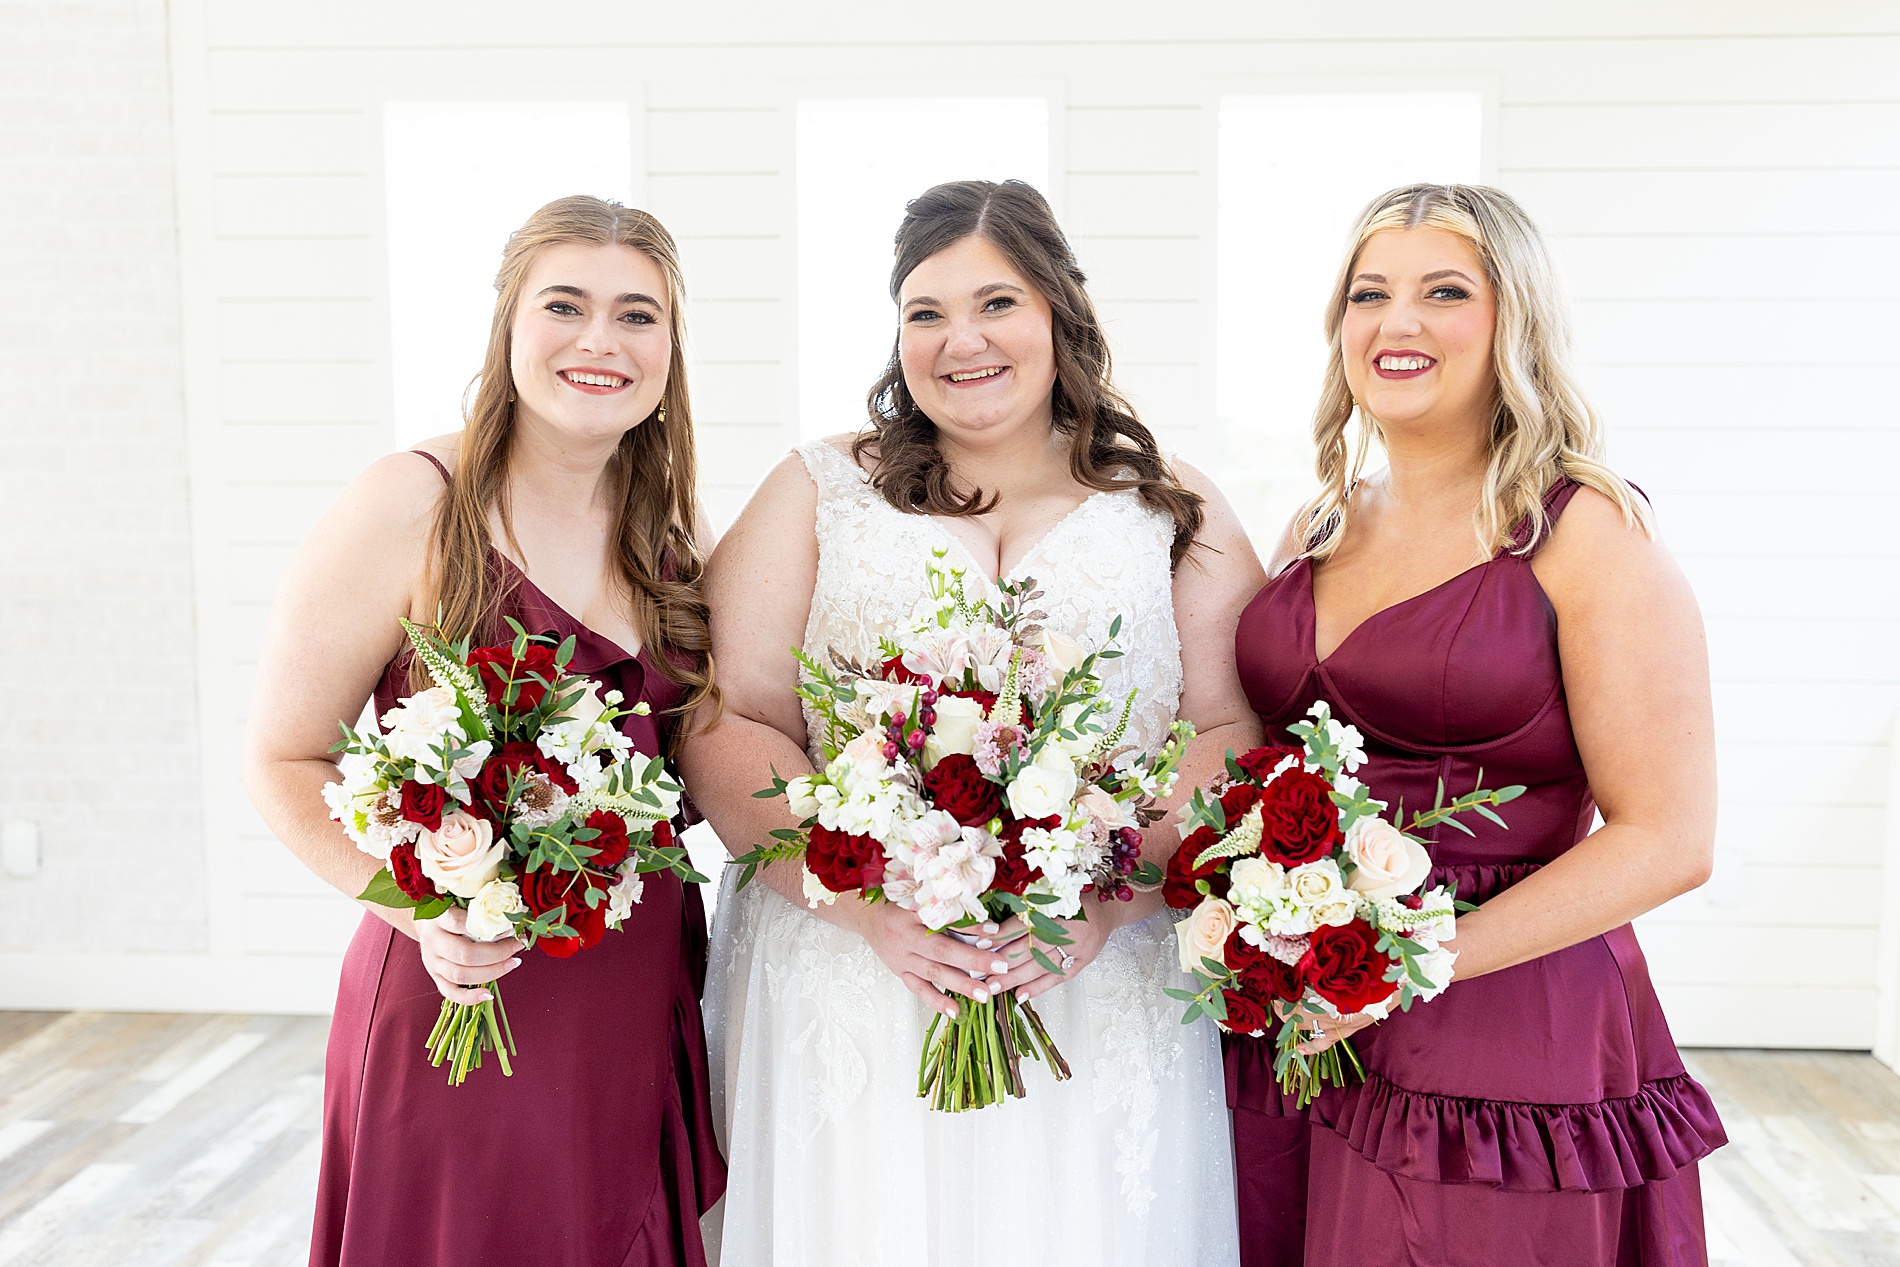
(653, 471)
(1543, 431)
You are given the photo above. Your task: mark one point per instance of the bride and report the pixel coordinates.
(995, 435)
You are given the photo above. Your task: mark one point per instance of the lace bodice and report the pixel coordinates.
(1108, 557)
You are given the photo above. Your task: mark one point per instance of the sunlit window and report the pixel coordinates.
(1295, 170)
(859, 162)
(460, 177)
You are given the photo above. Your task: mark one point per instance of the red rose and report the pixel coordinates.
(612, 841)
(1013, 872)
(1236, 801)
(1244, 1015)
(407, 873)
(1177, 888)
(499, 668)
(843, 862)
(1262, 977)
(894, 671)
(1300, 821)
(662, 835)
(422, 803)
(546, 889)
(955, 786)
(491, 785)
(1345, 966)
(1259, 763)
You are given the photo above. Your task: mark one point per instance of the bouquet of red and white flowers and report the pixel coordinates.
(508, 789)
(976, 773)
(1304, 896)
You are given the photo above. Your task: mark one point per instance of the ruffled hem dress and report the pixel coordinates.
(1540, 1114)
(601, 1149)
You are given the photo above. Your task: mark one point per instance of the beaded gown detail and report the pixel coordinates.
(600, 1150)
(815, 1043)
(1540, 1114)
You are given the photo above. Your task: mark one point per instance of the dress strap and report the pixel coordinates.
(838, 477)
(434, 461)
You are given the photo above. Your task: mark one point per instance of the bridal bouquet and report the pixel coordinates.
(507, 789)
(976, 773)
(1304, 896)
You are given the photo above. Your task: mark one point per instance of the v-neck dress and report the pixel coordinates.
(1540, 1114)
(600, 1151)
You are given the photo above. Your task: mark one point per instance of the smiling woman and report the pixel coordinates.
(565, 504)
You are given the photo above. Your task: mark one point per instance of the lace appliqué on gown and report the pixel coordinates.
(815, 1043)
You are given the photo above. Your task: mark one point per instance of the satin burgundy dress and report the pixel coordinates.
(600, 1150)
(1537, 1115)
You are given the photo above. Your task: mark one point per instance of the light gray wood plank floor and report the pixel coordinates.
(191, 1141)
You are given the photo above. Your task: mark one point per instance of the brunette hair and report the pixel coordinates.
(1109, 447)
(1542, 428)
(652, 472)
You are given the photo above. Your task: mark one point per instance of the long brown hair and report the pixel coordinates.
(1542, 428)
(652, 472)
(1109, 447)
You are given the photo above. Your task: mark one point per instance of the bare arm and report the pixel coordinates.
(759, 584)
(1636, 674)
(334, 626)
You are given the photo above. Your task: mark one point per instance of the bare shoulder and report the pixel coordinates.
(779, 519)
(1594, 551)
(396, 496)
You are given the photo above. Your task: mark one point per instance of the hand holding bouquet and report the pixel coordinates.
(506, 788)
(1306, 901)
(976, 773)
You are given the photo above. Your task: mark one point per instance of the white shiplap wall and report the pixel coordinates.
(1720, 182)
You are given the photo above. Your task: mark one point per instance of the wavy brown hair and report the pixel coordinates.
(652, 473)
(1109, 448)
(1542, 431)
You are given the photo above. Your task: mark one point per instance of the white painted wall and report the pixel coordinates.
(1719, 179)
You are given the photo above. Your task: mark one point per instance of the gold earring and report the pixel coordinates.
(661, 416)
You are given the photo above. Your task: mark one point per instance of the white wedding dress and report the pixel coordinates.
(814, 1043)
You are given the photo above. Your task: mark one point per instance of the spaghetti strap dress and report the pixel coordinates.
(600, 1150)
(1540, 1114)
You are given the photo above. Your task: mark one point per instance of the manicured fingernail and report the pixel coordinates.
(996, 988)
(483, 997)
(990, 928)
(982, 943)
(952, 1012)
(999, 965)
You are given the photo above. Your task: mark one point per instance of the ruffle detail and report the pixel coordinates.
(1479, 882)
(1515, 1147)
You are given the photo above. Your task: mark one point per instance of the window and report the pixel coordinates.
(460, 177)
(1295, 170)
(859, 162)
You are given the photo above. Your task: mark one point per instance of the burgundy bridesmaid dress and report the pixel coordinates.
(599, 1151)
(1540, 1114)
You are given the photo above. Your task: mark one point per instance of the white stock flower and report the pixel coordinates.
(955, 729)
(625, 894)
(1437, 965)
(1045, 786)
(415, 728)
(489, 909)
(1066, 889)
(462, 855)
(1386, 862)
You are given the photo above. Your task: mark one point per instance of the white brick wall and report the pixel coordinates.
(98, 709)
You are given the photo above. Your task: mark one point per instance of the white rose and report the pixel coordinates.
(1064, 652)
(1203, 934)
(1317, 887)
(798, 795)
(586, 707)
(488, 910)
(1436, 964)
(1043, 787)
(1073, 718)
(866, 752)
(462, 855)
(415, 728)
(1386, 863)
(1111, 813)
(955, 731)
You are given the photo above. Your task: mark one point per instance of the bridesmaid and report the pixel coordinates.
(1538, 1111)
(567, 503)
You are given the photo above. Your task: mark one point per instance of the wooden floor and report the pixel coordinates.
(191, 1141)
